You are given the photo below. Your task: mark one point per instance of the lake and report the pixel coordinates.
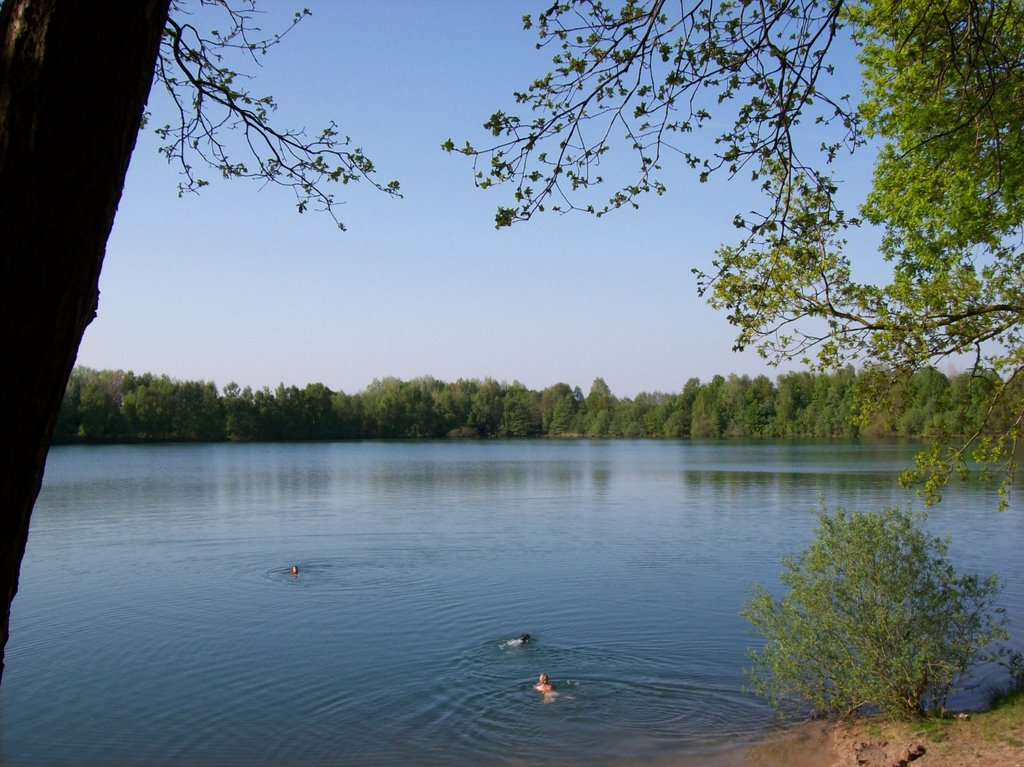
(157, 622)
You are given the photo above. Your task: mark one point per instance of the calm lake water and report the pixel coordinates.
(157, 623)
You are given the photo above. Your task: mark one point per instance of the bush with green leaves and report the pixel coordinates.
(875, 619)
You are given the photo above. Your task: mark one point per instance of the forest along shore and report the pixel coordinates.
(114, 406)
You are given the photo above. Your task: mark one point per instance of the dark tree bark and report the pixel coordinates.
(74, 79)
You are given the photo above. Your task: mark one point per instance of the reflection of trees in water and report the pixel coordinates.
(790, 484)
(437, 472)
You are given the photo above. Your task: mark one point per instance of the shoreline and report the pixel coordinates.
(784, 745)
(975, 739)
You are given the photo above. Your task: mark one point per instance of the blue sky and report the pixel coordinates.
(234, 284)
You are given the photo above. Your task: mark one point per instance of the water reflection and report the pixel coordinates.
(157, 577)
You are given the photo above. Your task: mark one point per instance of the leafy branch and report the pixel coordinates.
(218, 117)
(643, 76)
(942, 86)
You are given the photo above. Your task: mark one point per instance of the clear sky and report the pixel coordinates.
(235, 285)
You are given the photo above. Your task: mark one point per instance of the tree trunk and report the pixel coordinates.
(74, 79)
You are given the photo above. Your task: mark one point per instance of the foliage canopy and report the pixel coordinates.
(875, 616)
(942, 104)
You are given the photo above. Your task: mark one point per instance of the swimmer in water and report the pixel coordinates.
(543, 685)
(524, 639)
(295, 570)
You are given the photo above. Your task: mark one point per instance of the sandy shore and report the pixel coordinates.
(989, 740)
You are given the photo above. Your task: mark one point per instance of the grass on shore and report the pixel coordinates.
(990, 737)
(1000, 723)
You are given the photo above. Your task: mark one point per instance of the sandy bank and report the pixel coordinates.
(992, 739)
(989, 739)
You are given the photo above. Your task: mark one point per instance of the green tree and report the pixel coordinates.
(875, 616)
(239, 412)
(793, 395)
(265, 410)
(347, 415)
(485, 413)
(318, 417)
(941, 86)
(99, 409)
(198, 413)
(840, 402)
(149, 408)
(925, 395)
(707, 418)
(559, 411)
(600, 397)
(680, 422)
(759, 413)
(385, 408)
(819, 413)
(602, 424)
(521, 412)
(627, 421)
(288, 411)
(549, 399)
(676, 425)
(452, 404)
(965, 403)
(422, 420)
(655, 409)
(732, 405)
(667, 418)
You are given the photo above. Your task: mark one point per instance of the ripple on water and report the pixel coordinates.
(344, 574)
(158, 624)
(487, 705)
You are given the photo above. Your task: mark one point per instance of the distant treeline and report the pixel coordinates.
(115, 406)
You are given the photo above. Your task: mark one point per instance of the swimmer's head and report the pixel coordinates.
(295, 570)
(543, 679)
(524, 638)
